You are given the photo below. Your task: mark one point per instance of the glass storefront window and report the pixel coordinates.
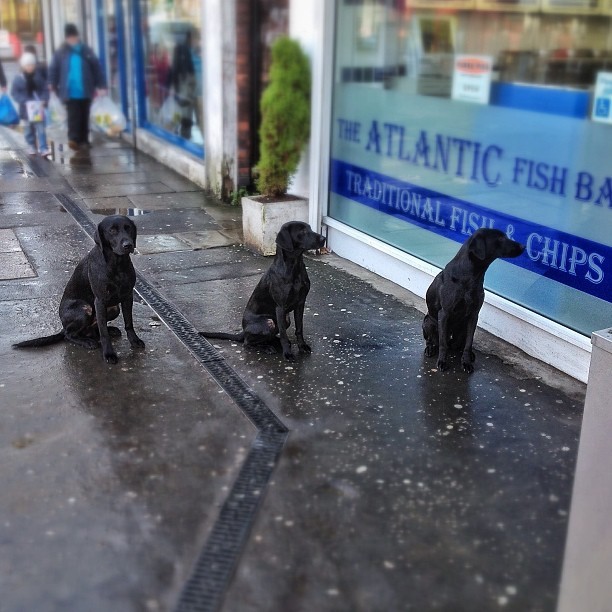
(111, 55)
(173, 67)
(453, 115)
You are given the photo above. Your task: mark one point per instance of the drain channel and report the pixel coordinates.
(214, 568)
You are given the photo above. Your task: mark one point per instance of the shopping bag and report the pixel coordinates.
(35, 110)
(107, 117)
(56, 112)
(170, 113)
(8, 114)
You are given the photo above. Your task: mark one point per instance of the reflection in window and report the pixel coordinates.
(173, 67)
(403, 45)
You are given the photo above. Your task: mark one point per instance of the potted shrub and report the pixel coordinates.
(284, 132)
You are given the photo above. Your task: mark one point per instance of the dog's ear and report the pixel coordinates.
(478, 247)
(284, 239)
(99, 237)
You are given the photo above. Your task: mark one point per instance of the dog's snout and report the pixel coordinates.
(321, 240)
(127, 246)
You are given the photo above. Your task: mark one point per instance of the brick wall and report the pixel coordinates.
(258, 24)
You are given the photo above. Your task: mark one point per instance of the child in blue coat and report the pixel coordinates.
(30, 86)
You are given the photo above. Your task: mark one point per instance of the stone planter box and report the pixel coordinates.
(262, 218)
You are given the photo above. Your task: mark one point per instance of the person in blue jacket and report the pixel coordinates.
(75, 74)
(29, 86)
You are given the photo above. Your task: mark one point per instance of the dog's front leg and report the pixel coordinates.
(468, 356)
(126, 307)
(298, 314)
(442, 339)
(108, 352)
(282, 332)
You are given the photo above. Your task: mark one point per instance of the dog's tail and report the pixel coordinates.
(221, 336)
(44, 341)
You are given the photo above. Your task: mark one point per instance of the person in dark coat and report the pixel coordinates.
(75, 74)
(29, 86)
(2, 79)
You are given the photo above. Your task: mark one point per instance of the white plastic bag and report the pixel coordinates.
(35, 110)
(107, 117)
(56, 112)
(170, 113)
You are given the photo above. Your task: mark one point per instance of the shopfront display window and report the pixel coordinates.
(114, 52)
(172, 64)
(450, 116)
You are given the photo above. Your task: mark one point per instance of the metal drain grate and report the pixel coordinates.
(215, 566)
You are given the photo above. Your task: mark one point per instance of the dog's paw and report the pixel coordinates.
(442, 365)
(431, 351)
(91, 343)
(467, 366)
(289, 356)
(304, 348)
(114, 332)
(137, 343)
(111, 357)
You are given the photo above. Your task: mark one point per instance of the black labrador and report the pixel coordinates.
(280, 291)
(102, 280)
(456, 295)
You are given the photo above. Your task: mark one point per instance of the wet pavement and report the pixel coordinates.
(398, 488)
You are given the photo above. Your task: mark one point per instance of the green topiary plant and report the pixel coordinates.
(285, 124)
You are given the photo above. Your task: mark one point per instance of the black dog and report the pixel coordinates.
(456, 295)
(102, 280)
(280, 291)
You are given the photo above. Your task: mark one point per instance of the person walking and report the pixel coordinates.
(29, 90)
(40, 66)
(75, 74)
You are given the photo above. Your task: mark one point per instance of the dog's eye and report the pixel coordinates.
(112, 230)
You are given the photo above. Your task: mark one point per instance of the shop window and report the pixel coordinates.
(172, 58)
(453, 115)
(113, 53)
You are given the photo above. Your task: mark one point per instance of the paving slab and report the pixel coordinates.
(95, 189)
(8, 241)
(171, 200)
(28, 184)
(104, 166)
(15, 265)
(28, 202)
(168, 221)
(209, 239)
(161, 244)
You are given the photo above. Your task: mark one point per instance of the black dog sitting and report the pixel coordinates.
(456, 295)
(280, 291)
(103, 280)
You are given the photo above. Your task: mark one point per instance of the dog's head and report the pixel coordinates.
(486, 245)
(296, 237)
(117, 234)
